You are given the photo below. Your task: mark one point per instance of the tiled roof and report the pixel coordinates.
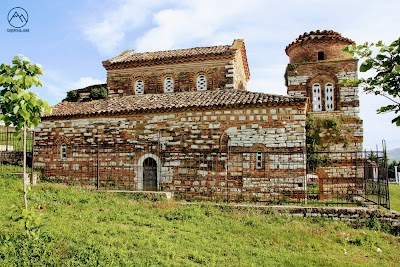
(170, 102)
(131, 55)
(319, 36)
(130, 58)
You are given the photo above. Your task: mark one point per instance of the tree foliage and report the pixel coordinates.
(385, 62)
(20, 107)
(98, 93)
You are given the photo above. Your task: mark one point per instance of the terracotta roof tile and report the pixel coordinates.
(316, 36)
(174, 101)
(130, 56)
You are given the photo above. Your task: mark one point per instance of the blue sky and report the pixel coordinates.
(71, 38)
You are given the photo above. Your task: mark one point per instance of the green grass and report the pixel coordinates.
(82, 227)
(10, 168)
(394, 193)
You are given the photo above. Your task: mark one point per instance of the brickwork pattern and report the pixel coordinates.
(121, 82)
(224, 67)
(176, 138)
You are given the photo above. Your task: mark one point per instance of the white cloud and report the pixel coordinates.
(86, 81)
(108, 33)
(160, 25)
(56, 86)
(196, 22)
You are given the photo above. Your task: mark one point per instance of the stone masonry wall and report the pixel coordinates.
(300, 79)
(352, 216)
(191, 146)
(340, 177)
(238, 72)
(300, 76)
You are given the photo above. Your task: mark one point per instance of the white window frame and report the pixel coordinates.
(168, 84)
(201, 82)
(139, 87)
(259, 160)
(316, 97)
(63, 151)
(329, 97)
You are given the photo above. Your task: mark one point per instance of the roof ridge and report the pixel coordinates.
(189, 48)
(317, 36)
(127, 56)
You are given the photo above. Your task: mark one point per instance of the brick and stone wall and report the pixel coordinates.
(354, 216)
(222, 73)
(302, 76)
(204, 153)
(309, 51)
(318, 58)
(238, 71)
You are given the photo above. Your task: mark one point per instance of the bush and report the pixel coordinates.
(72, 96)
(98, 93)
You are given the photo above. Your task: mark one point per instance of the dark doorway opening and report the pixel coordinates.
(149, 175)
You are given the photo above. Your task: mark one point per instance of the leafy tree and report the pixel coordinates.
(385, 61)
(19, 107)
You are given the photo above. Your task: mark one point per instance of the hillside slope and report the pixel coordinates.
(393, 154)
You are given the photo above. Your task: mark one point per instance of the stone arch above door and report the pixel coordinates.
(141, 169)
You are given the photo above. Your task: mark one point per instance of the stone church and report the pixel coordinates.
(183, 121)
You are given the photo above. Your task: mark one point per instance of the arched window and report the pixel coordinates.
(316, 97)
(329, 97)
(139, 87)
(63, 151)
(168, 85)
(259, 160)
(201, 83)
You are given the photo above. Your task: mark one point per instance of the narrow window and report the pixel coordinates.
(139, 87)
(201, 83)
(329, 97)
(321, 56)
(259, 160)
(63, 151)
(316, 97)
(168, 85)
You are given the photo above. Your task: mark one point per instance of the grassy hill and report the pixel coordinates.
(394, 154)
(82, 227)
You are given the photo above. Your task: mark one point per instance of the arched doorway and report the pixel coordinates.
(149, 174)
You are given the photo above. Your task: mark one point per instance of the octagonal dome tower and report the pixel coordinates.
(318, 45)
